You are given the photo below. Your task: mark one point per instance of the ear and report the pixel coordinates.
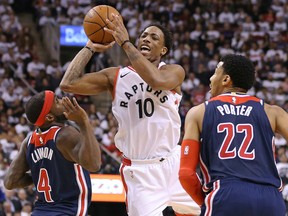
(227, 80)
(164, 51)
(49, 117)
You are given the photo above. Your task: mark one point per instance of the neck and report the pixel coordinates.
(235, 90)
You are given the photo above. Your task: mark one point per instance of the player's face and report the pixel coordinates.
(216, 81)
(58, 109)
(151, 44)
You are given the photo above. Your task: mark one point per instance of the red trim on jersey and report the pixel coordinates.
(44, 137)
(124, 185)
(126, 161)
(240, 99)
(48, 102)
(210, 198)
(115, 81)
(131, 68)
(206, 176)
(83, 191)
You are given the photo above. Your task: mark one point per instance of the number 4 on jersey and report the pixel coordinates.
(43, 185)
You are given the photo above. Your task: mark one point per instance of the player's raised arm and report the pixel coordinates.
(79, 146)
(74, 79)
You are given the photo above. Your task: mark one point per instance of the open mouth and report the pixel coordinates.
(145, 49)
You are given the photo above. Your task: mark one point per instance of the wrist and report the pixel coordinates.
(90, 49)
(124, 42)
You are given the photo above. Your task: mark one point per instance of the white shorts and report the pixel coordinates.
(152, 185)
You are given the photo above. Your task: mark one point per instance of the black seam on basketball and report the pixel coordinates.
(99, 15)
(101, 26)
(91, 22)
(95, 31)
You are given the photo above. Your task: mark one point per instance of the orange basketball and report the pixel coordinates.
(95, 21)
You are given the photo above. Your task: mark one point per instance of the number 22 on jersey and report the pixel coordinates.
(225, 151)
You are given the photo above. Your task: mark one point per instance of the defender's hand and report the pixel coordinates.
(74, 111)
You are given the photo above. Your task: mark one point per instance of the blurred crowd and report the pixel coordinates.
(203, 31)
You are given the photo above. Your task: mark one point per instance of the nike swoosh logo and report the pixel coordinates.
(123, 75)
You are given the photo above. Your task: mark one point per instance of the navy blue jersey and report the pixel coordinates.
(237, 142)
(63, 187)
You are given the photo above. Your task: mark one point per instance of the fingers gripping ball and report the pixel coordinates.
(95, 21)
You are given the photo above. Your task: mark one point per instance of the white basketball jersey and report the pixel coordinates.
(149, 123)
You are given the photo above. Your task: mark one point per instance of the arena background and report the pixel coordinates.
(39, 38)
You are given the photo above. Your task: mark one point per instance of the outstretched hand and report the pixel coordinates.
(117, 29)
(74, 111)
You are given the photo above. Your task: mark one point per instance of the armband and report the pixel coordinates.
(91, 50)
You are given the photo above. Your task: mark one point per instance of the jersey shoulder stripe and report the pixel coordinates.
(235, 99)
(38, 139)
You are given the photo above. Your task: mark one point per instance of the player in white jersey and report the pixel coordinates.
(146, 96)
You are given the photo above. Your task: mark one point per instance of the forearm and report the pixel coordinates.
(89, 152)
(12, 181)
(187, 172)
(147, 70)
(191, 184)
(76, 68)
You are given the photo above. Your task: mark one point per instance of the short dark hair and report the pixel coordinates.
(240, 69)
(34, 106)
(168, 38)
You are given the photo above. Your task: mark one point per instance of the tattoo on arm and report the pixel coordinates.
(77, 66)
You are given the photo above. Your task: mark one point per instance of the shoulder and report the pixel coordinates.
(110, 71)
(196, 112)
(24, 143)
(273, 109)
(67, 135)
(171, 66)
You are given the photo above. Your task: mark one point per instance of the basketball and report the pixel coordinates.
(95, 21)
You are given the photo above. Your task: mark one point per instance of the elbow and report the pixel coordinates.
(8, 184)
(94, 167)
(155, 85)
(65, 88)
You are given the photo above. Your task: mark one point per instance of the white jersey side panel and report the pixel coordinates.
(136, 105)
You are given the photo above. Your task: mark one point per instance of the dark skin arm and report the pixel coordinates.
(168, 77)
(16, 176)
(74, 81)
(79, 146)
(278, 118)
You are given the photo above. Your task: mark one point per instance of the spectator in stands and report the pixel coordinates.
(181, 25)
(34, 67)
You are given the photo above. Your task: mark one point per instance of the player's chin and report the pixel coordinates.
(145, 53)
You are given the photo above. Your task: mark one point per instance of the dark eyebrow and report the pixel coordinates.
(152, 34)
